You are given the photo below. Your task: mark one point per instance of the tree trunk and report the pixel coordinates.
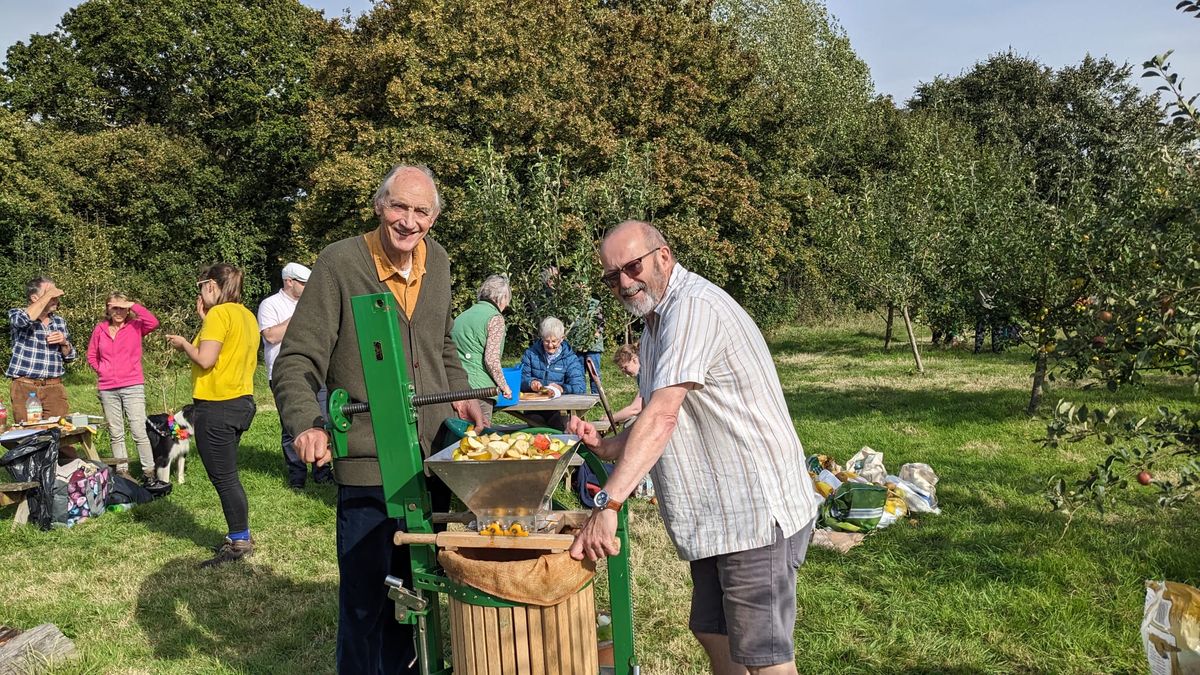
(1039, 378)
(912, 339)
(887, 333)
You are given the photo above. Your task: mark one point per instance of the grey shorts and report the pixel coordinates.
(751, 597)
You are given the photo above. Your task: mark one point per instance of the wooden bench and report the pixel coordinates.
(17, 493)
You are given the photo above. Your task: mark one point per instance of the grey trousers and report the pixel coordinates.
(128, 402)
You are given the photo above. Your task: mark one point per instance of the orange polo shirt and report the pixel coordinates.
(404, 290)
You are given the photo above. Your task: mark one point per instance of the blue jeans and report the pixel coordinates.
(298, 470)
(369, 639)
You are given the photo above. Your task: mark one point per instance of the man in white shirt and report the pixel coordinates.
(274, 314)
(716, 434)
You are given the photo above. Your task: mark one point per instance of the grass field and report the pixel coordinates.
(994, 584)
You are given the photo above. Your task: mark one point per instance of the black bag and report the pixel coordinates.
(35, 460)
(125, 491)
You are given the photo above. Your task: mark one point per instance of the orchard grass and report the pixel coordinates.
(997, 583)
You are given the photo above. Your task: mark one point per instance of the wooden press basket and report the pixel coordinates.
(533, 640)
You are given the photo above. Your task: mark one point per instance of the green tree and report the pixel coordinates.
(579, 84)
(225, 81)
(1152, 325)
(1084, 134)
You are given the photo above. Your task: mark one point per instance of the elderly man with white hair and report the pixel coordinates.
(321, 350)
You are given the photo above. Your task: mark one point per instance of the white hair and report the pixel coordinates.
(495, 289)
(381, 192)
(551, 327)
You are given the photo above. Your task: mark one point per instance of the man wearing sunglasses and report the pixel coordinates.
(716, 435)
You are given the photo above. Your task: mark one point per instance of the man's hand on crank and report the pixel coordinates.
(470, 411)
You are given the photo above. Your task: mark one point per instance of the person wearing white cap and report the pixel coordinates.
(274, 314)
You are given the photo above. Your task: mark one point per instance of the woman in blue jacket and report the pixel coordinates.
(551, 362)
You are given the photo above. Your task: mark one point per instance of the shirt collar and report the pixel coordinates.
(383, 265)
(677, 274)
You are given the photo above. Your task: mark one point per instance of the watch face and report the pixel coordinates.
(601, 499)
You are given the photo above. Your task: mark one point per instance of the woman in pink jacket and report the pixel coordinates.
(115, 353)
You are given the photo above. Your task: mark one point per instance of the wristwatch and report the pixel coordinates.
(603, 501)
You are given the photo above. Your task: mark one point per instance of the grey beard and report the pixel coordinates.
(642, 307)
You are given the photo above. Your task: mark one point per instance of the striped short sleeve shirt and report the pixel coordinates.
(734, 467)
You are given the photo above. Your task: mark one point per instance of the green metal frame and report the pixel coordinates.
(390, 393)
(620, 591)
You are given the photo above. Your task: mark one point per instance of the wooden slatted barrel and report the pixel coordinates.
(525, 640)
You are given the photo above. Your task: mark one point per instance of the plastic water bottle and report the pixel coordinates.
(33, 409)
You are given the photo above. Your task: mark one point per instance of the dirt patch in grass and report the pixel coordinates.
(965, 382)
(982, 448)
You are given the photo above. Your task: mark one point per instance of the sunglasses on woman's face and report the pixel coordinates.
(200, 284)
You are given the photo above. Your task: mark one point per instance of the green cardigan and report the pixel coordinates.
(320, 348)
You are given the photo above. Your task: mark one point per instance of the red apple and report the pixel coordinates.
(1144, 478)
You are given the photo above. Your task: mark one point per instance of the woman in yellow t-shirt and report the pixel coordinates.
(224, 355)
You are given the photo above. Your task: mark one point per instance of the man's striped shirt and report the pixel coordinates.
(734, 466)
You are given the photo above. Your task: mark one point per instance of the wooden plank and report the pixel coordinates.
(479, 639)
(17, 487)
(570, 637)
(574, 518)
(588, 597)
(564, 636)
(508, 640)
(585, 633)
(15, 493)
(537, 655)
(491, 629)
(460, 648)
(550, 642)
(521, 639)
(535, 542)
(34, 649)
(22, 515)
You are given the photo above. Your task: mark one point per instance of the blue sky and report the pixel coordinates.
(906, 42)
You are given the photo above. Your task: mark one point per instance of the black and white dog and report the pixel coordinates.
(170, 441)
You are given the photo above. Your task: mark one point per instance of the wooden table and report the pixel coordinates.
(17, 493)
(567, 404)
(84, 437)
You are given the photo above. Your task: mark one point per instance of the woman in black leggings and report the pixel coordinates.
(224, 355)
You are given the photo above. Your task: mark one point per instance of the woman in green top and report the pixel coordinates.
(479, 335)
(224, 355)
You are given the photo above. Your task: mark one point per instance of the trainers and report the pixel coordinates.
(231, 550)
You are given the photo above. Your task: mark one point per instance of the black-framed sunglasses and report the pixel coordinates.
(631, 269)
